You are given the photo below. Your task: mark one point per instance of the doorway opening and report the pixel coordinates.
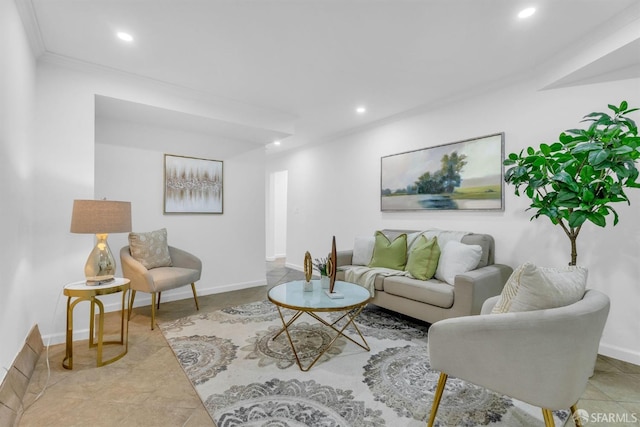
(276, 226)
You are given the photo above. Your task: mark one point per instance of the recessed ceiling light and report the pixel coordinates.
(124, 36)
(361, 110)
(276, 143)
(525, 13)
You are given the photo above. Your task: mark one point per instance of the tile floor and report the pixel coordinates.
(149, 388)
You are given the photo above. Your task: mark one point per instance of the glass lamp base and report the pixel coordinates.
(100, 265)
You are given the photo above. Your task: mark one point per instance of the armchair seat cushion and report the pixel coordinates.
(165, 278)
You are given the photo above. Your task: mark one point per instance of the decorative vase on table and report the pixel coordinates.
(324, 281)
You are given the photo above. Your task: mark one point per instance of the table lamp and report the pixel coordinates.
(100, 217)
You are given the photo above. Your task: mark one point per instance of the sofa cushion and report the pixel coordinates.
(150, 249)
(535, 288)
(387, 254)
(423, 258)
(363, 250)
(378, 283)
(433, 292)
(457, 258)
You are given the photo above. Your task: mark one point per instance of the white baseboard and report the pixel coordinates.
(624, 354)
(144, 299)
(294, 266)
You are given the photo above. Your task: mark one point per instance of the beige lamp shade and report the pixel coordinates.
(100, 216)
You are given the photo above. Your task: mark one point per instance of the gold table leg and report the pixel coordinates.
(351, 314)
(67, 362)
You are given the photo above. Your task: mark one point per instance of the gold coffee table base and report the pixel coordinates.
(82, 292)
(351, 314)
(292, 295)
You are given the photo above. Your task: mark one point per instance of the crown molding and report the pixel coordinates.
(31, 27)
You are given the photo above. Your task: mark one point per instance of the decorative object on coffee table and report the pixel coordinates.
(321, 265)
(332, 265)
(308, 271)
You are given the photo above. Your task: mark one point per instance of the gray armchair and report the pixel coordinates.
(542, 357)
(186, 269)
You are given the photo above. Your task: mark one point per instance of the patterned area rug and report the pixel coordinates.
(245, 378)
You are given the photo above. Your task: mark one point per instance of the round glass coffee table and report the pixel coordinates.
(291, 295)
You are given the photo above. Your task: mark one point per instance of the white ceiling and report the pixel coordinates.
(318, 59)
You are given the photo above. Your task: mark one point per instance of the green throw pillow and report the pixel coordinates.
(388, 254)
(423, 259)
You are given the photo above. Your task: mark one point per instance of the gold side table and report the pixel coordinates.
(83, 292)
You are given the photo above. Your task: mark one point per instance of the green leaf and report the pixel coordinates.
(613, 108)
(565, 139)
(577, 218)
(562, 176)
(589, 146)
(597, 218)
(539, 161)
(556, 146)
(597, 157)
(530, 151)
(623, 106)
(587, 173)
(513, 156)
(545, 149)
(622, 150)
(587, 195)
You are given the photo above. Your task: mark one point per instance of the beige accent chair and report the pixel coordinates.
(186, 269)
(542, 357)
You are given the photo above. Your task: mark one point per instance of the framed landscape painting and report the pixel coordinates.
(464, 175)
(192, 185)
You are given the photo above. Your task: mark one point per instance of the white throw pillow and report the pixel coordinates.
(457, 258)
(508, 292)
(542, 287)
(363, 250)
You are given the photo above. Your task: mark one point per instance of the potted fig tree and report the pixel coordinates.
(579, 177)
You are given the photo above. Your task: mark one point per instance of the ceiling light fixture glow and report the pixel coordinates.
(361, 110)
(276, 143)
(525, 13)
(125, 36)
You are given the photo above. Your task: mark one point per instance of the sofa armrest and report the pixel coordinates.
(344, 258)
(473, 288)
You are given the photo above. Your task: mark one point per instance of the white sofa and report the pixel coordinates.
(433, 300)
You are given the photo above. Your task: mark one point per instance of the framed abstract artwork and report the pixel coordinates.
(192, 185)
(463, 175)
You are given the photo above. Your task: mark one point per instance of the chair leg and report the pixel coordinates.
(153, 309)
(436, 399)
(548, 418)
(158, 304)
(195, 296)
(576, 419)
(132, 297)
